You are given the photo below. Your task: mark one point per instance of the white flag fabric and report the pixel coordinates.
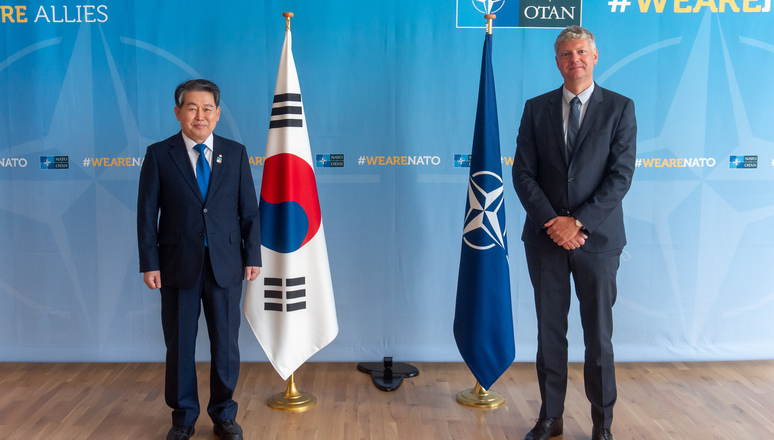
(290, 306)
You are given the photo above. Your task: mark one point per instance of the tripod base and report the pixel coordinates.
(387, 376)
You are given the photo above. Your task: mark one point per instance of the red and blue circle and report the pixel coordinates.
(289, 207)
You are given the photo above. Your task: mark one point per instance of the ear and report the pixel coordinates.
(177, 112)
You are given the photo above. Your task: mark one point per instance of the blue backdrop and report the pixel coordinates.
(392, 87)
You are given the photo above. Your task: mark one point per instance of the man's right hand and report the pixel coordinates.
(576, 242)
(152, 279)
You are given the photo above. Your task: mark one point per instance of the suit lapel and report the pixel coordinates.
(557, 123)
(179, 154)
(217, 167)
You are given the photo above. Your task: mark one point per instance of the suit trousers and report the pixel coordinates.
(594, 276)
(180, 310)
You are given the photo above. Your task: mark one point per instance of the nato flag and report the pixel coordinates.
(483, 320)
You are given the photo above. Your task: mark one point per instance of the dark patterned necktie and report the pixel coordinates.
(573, 125)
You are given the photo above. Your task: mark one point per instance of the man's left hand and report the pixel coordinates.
(252, 272)
(562, 229)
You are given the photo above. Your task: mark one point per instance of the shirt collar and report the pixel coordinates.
(582, 96)
(190, 143)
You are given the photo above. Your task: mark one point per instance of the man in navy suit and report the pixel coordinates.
(199, 237)
(574, 163)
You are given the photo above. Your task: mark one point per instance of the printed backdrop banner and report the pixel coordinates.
(390, 98)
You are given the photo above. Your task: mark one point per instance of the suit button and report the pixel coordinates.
(205, 210)
(201, 234)
(570, 180)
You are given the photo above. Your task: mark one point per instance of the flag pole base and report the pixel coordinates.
(292, 399)
(478, 397)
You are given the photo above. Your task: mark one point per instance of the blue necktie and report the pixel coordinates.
(202, 170)
(202, 175)
(573, 125)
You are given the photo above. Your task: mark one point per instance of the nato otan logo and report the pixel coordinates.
(743, 162)
(519, 13)
(54, 162)
(329, 160)
(462, 161)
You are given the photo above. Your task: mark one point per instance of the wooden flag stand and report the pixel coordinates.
(478, 397)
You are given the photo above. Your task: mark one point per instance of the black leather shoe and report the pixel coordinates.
(601, 434)
(228, 430)
(545, 429)
(180, 432)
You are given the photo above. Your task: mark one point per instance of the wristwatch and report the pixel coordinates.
(578, 223)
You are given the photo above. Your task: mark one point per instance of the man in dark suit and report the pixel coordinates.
(573, 165)
(199, 237)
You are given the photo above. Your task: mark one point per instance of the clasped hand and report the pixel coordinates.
(564, 232)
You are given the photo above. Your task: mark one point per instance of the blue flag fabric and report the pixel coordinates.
(483, 320)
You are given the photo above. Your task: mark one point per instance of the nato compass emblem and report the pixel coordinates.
(470, 13)
(485, 216)
(488, 6)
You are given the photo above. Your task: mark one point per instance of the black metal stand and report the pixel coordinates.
(387, 376)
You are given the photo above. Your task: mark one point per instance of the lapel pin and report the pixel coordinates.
(220, 158)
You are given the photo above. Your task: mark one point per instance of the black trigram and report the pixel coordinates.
(276, 296)
(286, 111)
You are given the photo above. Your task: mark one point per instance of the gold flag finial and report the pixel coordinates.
(489, 18)
(288, 16)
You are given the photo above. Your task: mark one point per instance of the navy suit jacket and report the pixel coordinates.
(589, 186)
(172, 217)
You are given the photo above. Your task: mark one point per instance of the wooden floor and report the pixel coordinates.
(696, 401)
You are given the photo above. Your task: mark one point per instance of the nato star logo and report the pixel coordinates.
(695, 285)
(487, 6)
(462, 160)
(485, 219)
(93, 316)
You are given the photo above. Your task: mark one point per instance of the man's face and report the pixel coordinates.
(576, 60)
(198, 116)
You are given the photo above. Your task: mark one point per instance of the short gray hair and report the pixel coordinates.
(196, 85)
(571, 33)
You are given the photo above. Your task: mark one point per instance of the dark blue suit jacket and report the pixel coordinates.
(589, 186)
(172, 217)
